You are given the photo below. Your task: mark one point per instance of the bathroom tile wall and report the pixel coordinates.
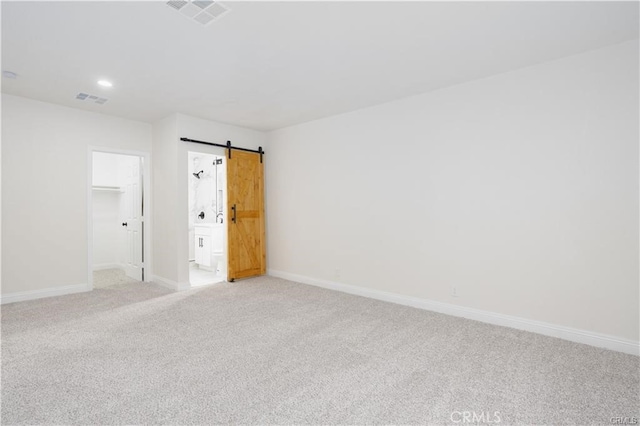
(202, 191)
(202, 196)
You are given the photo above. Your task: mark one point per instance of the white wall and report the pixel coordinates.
(44, 189)
(105, 170)
(165, 209)
(170, 186)
(521, 190)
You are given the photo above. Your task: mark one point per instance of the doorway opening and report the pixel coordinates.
(117, 225)
(207, 222)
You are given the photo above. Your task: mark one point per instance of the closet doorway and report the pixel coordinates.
(117, 227)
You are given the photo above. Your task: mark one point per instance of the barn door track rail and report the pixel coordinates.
(228, 146)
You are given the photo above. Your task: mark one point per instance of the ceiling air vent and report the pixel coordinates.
(177, 5)
(202, 4)
(87, 97)
(202, 11)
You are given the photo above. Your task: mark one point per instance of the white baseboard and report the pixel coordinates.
(39, 294)
(103, 266)
(552, 330)
(170, 284)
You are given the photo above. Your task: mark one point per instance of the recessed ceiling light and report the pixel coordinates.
(9, 74)
(105, 83)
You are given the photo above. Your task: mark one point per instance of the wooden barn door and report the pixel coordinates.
(245, 213)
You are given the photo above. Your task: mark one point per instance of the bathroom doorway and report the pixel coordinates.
(207, 232)
(116, 219)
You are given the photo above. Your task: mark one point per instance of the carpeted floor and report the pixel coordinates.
(111, 277)
(272, 351)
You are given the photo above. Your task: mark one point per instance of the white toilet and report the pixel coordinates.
(217, 250)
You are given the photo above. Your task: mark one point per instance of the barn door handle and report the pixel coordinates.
(124, 223)
(233, 219)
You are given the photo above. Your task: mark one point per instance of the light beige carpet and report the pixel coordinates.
(111, 277)
(270, 351)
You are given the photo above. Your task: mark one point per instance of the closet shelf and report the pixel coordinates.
(107, 188)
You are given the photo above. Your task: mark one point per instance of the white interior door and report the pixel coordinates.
(133, 220)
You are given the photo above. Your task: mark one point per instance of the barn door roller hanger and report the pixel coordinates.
(228, 146)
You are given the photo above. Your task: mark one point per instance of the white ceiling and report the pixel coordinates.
(267, 65)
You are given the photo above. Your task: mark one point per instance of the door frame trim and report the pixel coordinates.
(147, 200)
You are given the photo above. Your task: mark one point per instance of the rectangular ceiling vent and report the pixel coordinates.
(203, 12)
(93, 98)
(177, 4)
